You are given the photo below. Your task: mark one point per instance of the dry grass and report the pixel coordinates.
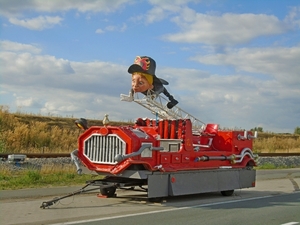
(277, 143)
(26, 133)
(21, 134)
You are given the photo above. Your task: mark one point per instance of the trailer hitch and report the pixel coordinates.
(46, 204)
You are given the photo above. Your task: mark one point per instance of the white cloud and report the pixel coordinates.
(161, 10)
(30, 72)
(27, 69)
(91, 89)
(262, 89)
(293, 17)
(60, 105)
(24, 102)
(240, 101)
(57, 86)
(236, 100)
(16, 7)
(281, 63)
(112, 29)
(19, 47)
(99, 31)
(123, 27)
(38, 23)
(155, 14)
(228, 29)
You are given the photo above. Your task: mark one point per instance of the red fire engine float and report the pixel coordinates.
(174, 154)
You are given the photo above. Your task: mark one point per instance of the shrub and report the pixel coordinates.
(297, 130)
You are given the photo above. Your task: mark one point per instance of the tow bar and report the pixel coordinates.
(100, 183)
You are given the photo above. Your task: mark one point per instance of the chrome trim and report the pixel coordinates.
(102, 149)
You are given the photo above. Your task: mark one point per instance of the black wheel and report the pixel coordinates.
(155, 200)
(108, 191)
(249, 165)
(227, 193)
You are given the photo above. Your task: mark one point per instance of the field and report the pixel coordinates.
(27, 133)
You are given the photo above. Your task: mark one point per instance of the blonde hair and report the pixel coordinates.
(148, 77)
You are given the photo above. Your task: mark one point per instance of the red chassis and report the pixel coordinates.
(166, 146)
(168, 156)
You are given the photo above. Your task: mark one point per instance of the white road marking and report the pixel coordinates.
(160, 211)
(290, 223)
(169, 210)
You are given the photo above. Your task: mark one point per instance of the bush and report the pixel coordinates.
(297, 130)
(33, 175)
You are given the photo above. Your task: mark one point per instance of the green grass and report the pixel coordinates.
(33, 178)
(272, 166)
(36, 178)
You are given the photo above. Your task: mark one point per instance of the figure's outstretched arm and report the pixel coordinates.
(172, 102)
(127, 98)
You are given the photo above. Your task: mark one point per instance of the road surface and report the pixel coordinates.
(275, 200)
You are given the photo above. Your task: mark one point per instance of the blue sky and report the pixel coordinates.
(235, 63)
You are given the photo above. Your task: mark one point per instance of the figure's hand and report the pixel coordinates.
(127, 98)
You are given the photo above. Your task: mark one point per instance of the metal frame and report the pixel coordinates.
(157, 105)
(196, 182)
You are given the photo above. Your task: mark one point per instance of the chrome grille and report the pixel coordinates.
(103, 149)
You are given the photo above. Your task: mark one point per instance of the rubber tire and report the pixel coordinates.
(109, 191)
(155, 200)
(227, 193)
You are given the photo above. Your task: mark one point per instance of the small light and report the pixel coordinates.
(81, 123)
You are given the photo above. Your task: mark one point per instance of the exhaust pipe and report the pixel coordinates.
(74, 159)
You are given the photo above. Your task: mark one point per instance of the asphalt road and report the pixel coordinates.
(282, 209)
(274, 200)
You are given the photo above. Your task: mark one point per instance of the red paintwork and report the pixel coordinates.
(224, 143)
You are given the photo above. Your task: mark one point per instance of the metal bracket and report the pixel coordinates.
(157, 105)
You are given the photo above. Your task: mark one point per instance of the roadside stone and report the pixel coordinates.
(37, 163)
(291, 161)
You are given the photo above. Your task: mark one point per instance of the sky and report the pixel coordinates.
(231, 62)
